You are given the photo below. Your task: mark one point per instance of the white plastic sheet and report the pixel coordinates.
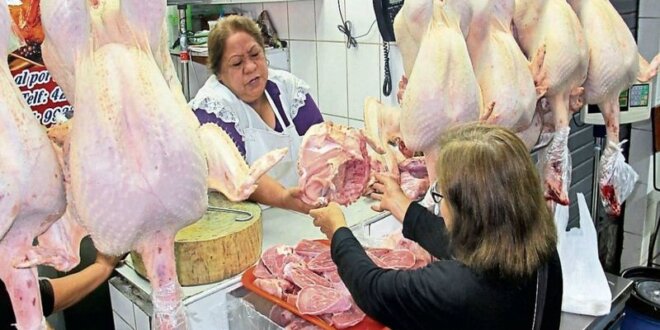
(585, 287)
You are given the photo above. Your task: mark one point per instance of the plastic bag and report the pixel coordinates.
(617, 178)
(556, 162)
(585, 287)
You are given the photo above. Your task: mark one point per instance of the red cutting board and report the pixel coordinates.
(248, 281)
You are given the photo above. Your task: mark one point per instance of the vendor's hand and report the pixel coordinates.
(390, 195)
(291, 200)
(329, 219)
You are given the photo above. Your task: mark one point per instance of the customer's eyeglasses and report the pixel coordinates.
(437, 197)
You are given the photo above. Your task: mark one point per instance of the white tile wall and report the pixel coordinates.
(362, 17)
(302, 25)
(279, 16)
(363, 77)
(340, 78)
(327, 19)
(303, 63)
(332, 78)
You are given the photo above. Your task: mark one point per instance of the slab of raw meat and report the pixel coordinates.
(398, 259)
(273, 258)
(322, 263)
(303, 277)
(332, 276)
(348, 318)
(274, 286)
(310, 248)
(260, 271)
(317, 300)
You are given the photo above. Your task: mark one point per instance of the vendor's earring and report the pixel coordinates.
(267, 62)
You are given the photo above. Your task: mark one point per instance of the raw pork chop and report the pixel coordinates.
(333, 164)
(31, 190)
(317, 300)
(322, 263)
(138, 168)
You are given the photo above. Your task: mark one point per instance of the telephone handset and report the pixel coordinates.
(386, 10)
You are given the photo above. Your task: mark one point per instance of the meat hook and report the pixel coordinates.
(247, 216)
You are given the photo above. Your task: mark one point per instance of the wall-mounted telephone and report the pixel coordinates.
(386, 10)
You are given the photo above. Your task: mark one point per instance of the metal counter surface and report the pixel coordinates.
(279, 227)
(620, 288)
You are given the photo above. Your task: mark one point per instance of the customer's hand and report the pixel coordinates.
(329, 219)
(291, 200)
(390, 195)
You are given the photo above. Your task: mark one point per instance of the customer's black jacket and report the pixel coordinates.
(445, 294)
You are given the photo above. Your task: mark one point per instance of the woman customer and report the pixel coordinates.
(496, 239)
(261, 109)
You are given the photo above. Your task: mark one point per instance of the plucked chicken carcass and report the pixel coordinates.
(31, 190)
(614, 65)
(410, 25)
(551, 24)
(333, 165)
(496, 56)
(442, 89)
(139, 163)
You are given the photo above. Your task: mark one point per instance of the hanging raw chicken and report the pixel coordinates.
(614, 65)
(138, 161)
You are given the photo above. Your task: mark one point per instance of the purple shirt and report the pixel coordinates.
(308, 115)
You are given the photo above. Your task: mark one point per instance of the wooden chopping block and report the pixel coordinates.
(216, 247)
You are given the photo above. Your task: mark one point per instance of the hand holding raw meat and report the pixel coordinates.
(329, 219)
(333, 164)
(391, 197)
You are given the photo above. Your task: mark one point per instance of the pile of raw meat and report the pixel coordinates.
(306, 277)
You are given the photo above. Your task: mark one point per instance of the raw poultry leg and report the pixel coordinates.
(228, 172)
(157, 251)
(59, 246)
(31, 190)
(381, 125)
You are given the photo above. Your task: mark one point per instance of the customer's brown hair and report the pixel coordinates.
(500, 220)
(222, 30)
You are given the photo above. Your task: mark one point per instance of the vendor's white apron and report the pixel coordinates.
(260, 139)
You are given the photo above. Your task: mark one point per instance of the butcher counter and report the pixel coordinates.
(206, 305)
(227, 305)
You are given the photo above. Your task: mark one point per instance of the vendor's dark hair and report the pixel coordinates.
(500, 221)
(222, 30)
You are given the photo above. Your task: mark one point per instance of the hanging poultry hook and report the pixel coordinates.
(247, 216)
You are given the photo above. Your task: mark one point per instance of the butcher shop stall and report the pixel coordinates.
(127, 131)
